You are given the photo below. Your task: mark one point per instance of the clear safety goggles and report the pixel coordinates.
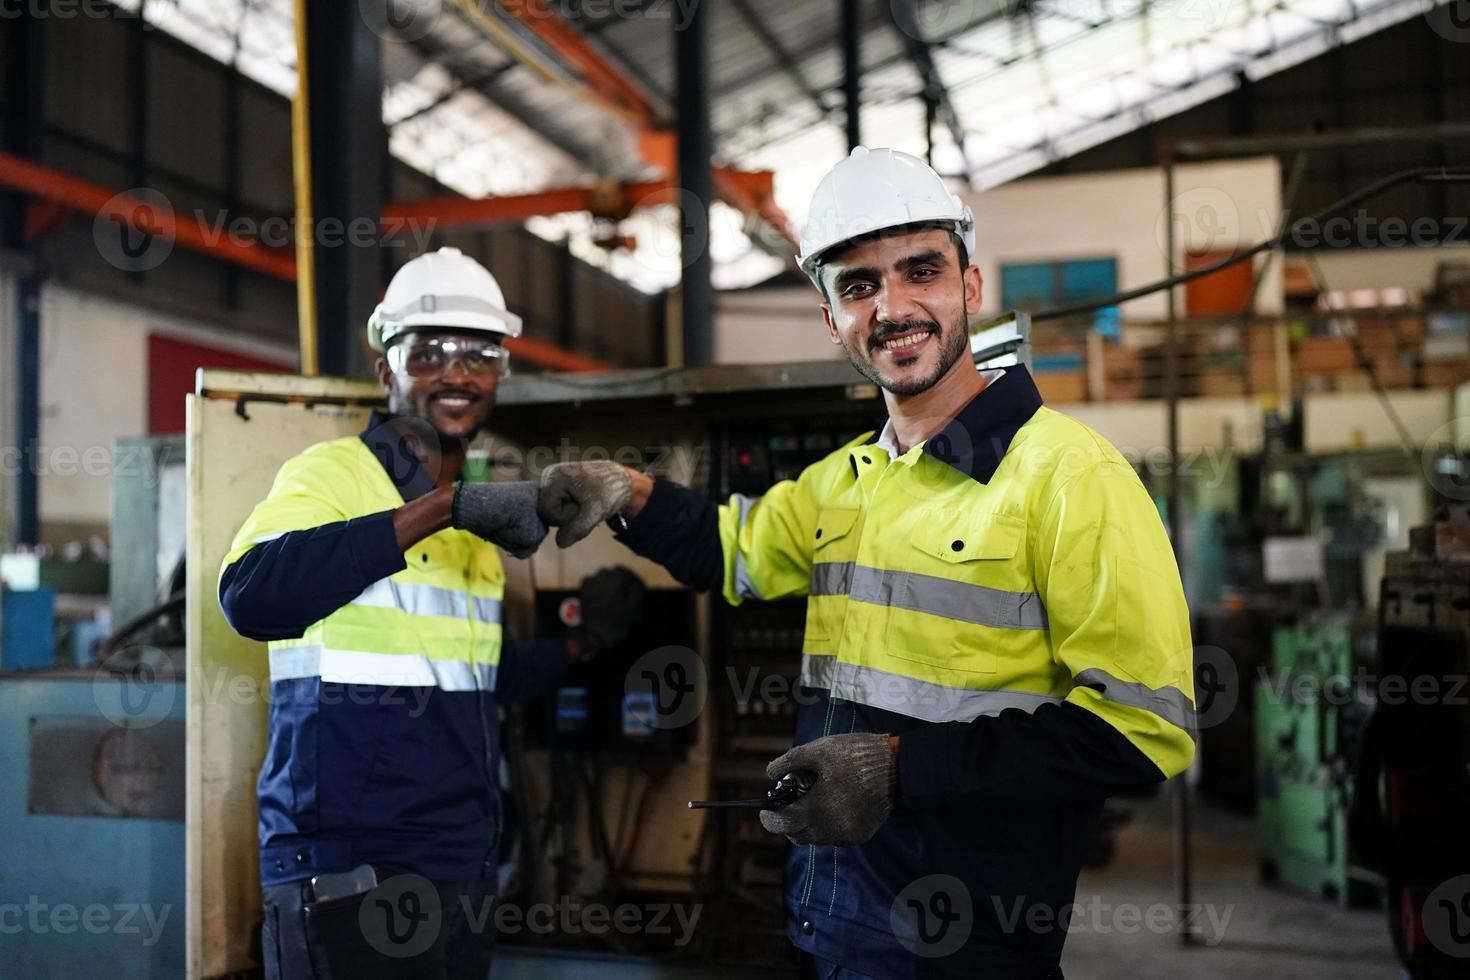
(430, 357)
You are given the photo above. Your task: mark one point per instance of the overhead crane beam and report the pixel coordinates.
(146, 216)
(603, 82)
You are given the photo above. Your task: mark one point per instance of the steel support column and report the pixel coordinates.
(21, 43)
(1180, 792)
(21, 113)
(348, 149)
(28, 409)
(565, 331)
(852, 69)
(696, 180)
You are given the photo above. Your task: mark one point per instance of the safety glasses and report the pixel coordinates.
(430, 357)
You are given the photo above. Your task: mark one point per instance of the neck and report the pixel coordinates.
(443, 456)
(917, 417)
(449, 464)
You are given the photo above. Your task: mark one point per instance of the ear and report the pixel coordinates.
(385, 374)
(831, 324)
(973, 284)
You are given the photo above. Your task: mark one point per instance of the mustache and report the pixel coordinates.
(887, 331)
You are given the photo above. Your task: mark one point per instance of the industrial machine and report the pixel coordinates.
(92, 857)
(1310, 707)
(1412, 799)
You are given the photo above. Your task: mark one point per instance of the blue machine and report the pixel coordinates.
(92, 851)
(27, 624)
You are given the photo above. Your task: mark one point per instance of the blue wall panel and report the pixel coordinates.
(91, 897)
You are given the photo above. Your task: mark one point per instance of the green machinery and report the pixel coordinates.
(1309, 711)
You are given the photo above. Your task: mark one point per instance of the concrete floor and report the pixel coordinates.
(1252, 932)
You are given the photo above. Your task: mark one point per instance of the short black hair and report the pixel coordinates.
(843, 248)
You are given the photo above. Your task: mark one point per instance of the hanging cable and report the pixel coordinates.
(1421, 174)
(1366, 363)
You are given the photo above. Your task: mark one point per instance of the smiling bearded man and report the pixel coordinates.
(372, 571)
(996, 635)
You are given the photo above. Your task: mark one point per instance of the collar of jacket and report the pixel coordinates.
(384, 437)
(975, 440)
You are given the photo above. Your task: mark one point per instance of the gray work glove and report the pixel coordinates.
(857, 780)
(502, 513)
(576, 497)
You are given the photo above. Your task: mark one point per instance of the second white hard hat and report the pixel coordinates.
(445, 289)
(873, 190)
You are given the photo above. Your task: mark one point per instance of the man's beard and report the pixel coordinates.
(421, 425)
(954, 346)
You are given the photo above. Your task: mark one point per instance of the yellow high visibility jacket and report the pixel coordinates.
(436, 623)
(967, 576)
(386, 667)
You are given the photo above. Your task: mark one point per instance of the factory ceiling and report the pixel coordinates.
(476, 96)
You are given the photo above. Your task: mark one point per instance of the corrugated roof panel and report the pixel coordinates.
(1028, 82)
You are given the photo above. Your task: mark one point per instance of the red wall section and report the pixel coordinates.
(171, 366)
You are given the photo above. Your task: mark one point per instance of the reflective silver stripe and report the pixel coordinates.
(831, 578)
(268, 537)
(1169, 703)
(907, 696)
(960, 601)
(428, 600)
(382, 669)
(744, 586)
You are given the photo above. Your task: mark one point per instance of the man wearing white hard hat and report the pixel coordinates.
(996, 635)
(372, 571)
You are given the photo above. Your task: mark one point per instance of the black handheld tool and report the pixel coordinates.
(788, 789)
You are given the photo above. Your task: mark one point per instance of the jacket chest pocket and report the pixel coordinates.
(954, 595)
(834, 546)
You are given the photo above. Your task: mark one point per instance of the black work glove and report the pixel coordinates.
(612, 604)
(502, 513)
(857, 780)
(576, 497)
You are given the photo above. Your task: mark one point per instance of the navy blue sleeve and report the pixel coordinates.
(530, 668)
(278, 588)
(1057, 755)
(680, 530)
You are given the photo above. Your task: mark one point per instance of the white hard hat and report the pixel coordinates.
(873, 190)
(444, 289)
